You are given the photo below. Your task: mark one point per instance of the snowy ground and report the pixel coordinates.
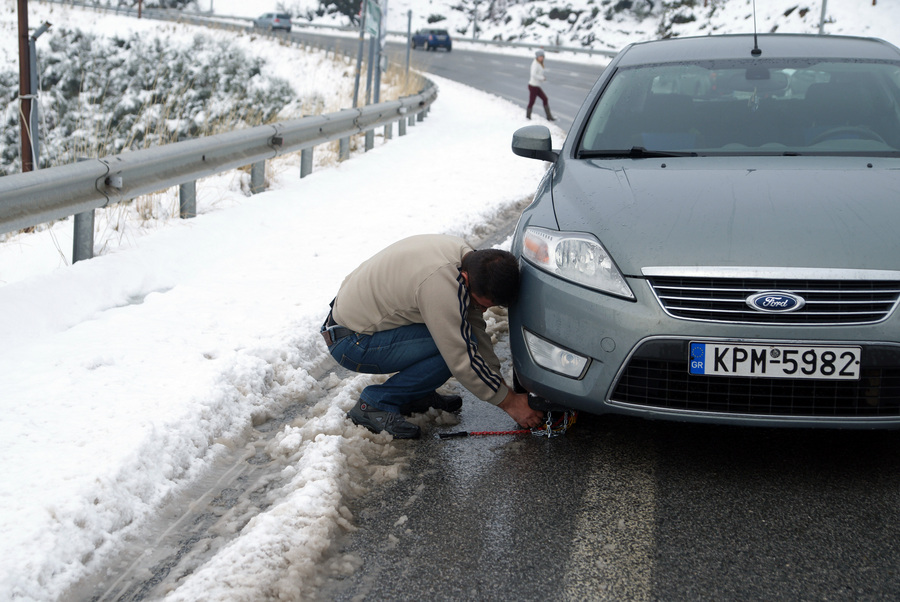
(125, 377)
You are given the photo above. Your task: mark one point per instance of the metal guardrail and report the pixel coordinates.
(36, 197)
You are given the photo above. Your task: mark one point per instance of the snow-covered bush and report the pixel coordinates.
(101, 96)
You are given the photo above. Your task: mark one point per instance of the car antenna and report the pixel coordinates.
(756, 51)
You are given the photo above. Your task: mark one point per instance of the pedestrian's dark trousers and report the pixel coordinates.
(536, 92)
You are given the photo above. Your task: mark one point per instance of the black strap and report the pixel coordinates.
(329, 320)
(337, 332)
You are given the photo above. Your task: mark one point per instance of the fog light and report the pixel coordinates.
(556, 359)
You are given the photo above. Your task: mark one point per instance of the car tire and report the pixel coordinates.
(517, 386)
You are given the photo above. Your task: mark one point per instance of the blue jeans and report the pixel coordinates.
(410, 351)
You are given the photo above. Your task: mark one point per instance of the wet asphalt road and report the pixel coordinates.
(503, 75)
(627, 509)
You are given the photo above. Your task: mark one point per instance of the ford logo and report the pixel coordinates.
(775, 302)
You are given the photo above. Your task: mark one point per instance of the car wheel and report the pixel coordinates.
(517, 386)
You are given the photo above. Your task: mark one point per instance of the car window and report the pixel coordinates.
(740, 107)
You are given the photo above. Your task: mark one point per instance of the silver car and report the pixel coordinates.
(717, 239)
(273, 21)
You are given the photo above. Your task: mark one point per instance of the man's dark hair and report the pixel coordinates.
(493, 274)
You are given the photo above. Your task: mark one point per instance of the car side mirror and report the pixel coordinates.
(533, 142)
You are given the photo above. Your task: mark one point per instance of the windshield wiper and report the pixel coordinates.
(635, 152)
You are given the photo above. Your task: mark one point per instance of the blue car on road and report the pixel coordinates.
(432, 39)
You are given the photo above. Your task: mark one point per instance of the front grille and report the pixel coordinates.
(657, 377)
(827, 301)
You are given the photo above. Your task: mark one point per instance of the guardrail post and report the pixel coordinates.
(421, 116)
(83, 243)
(187, 199)
(370, 140)
(83, 233)
(258, 177)
(412, 119)
(401, 126)
(306, 157)
(344, 152)
(388, 131)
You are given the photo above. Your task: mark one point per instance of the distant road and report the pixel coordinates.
(507, 77)
(501, 74)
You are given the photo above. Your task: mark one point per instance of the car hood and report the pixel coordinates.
(760, 212)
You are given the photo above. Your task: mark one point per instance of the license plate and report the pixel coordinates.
(775, 361)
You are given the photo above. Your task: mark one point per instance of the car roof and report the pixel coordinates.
(738, 46)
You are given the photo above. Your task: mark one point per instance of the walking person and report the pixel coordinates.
(415, 309)
(534, 85)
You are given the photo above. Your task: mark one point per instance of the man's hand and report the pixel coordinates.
(516, 405)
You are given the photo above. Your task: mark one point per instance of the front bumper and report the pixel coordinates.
(638, 362)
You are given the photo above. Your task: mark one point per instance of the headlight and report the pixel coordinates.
(576, 257)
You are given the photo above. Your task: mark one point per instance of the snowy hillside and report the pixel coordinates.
(610, 24)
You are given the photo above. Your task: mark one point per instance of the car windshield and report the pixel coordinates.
(747, 107)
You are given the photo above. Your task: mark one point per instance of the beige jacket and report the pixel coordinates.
(417, 280)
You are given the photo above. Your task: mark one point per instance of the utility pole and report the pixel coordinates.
(35, 89)
(380, 64)
(408, 38)
(822, 18)
(25, 87)
(359, 56)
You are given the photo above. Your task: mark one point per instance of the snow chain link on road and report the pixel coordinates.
(556, 422)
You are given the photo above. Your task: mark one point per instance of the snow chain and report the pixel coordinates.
(557, 421)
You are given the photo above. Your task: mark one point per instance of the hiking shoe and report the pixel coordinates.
(448, 403)
(377, 420)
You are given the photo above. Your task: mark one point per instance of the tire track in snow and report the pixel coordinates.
(213, 513)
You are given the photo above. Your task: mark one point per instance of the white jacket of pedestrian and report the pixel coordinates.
(537, 74)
